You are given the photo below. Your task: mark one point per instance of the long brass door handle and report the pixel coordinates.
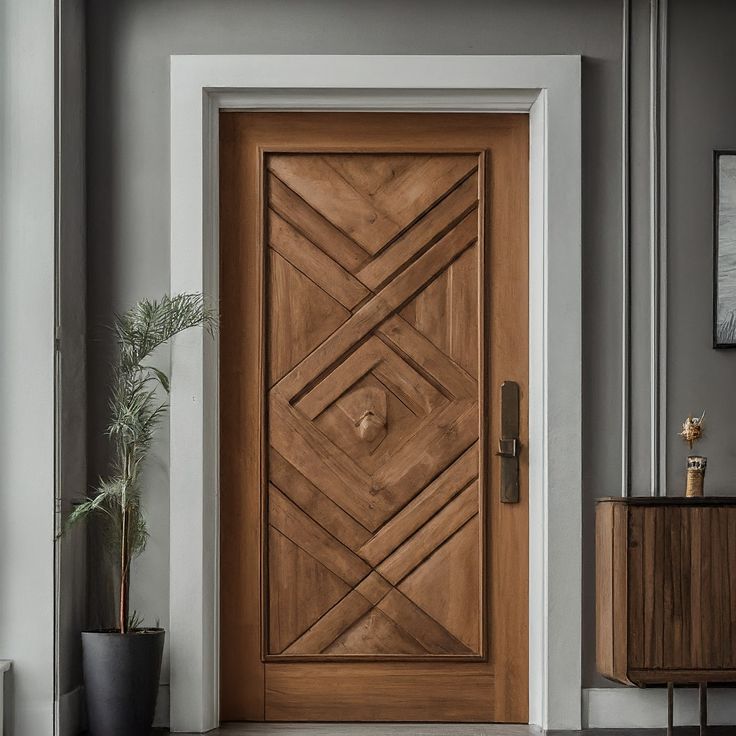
(508, 442)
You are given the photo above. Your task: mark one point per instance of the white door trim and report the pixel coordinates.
(548, 88)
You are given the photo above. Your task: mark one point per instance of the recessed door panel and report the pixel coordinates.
(371, 407)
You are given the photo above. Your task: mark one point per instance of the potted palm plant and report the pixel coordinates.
(122, 664)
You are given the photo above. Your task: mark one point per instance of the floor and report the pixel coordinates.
(415, 729)
(373, 729)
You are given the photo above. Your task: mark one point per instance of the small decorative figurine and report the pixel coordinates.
(692, 431)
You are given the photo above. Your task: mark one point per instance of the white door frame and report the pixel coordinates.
(548, 88)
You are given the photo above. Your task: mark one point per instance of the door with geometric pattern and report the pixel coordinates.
(373, 279)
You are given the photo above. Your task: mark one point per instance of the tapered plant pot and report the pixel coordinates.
(121, 675)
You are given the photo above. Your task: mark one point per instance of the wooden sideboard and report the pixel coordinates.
(666, 589)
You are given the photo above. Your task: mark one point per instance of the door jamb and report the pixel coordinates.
(548, 88)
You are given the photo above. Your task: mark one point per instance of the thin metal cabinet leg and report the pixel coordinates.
(670, 699)
(703, 701)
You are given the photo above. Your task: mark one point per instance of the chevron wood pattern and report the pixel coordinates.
(373, 272)
(373, 410)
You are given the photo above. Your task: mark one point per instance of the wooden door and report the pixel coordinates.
(374, 296)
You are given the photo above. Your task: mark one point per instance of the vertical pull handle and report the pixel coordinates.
(508, 442)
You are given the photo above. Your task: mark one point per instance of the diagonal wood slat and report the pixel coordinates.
(417, 349)
(353, 212)
(372, 356)
(316, 228)
(447, 434)
(449, 211)
(344, 375)
(313, 263)
(312, 538)
(314, 503)
(337, 620)
(422, 508)
(313, 455)
(398, 565)
(428, 632)
(386, 301)
(419, 395)
(311, 591)
(419, 187)
(374, 588)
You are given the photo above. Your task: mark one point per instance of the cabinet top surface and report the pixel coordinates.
(670, 500)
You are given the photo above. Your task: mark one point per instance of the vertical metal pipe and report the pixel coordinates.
(658, 247)
(626, 250)
(58, 508)
(663, 257)
(654, 247)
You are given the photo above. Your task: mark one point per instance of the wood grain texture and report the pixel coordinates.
(373, 247)
(422, 507)
(384, 692)
(365, 407)
(316, 265)
(665, 588)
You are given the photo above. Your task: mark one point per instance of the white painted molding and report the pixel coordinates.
(28, 241)
(4, 667)
(548, 88)
(627, 707)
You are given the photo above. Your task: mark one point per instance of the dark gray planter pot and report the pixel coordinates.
(121, 674)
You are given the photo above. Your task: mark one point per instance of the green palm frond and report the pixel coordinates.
(136, 409)
(152, 323)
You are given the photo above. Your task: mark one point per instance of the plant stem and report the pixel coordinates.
(125, 543)
(124, 574)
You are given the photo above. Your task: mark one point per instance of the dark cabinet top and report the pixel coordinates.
(670, 500)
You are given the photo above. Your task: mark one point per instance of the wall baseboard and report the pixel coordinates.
(604, 708)
(627, 707)
(681, 731)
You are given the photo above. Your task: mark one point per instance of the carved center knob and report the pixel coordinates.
(367, 409)
(370, 426)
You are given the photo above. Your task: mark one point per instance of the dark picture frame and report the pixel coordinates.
(724, 248)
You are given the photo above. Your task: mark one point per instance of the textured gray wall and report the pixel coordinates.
(72, 441)
(702, 116)
(129, 42)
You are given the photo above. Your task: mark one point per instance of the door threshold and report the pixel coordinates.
(374, 729)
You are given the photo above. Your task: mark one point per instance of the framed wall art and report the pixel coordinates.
(724, 249)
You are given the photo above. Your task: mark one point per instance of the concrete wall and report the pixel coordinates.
(128, 45)
(27, 245)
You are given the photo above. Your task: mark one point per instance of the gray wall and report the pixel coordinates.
(129, 42)
(702, 117)
(72, 374)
